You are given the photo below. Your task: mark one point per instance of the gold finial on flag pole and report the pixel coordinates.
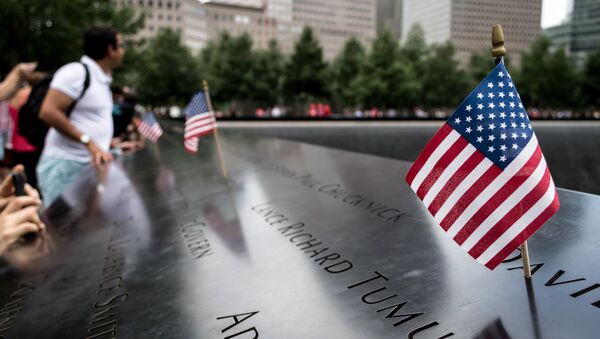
(216, 130)
(498, 51)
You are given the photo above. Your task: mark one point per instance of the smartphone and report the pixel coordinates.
(19, 180)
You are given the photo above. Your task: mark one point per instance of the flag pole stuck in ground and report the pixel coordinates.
(216, 131)
(483, 176)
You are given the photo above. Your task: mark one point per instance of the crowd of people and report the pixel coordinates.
(84, 119)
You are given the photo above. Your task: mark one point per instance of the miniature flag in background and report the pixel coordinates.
(199, 121)
(483, 176)
(150, 128)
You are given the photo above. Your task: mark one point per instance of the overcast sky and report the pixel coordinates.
(555, 11)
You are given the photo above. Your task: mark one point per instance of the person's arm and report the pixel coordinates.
(13, 80)
(53, 113)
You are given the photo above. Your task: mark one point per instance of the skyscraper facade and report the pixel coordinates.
(468, 23)
(389, 16)
(580, 34)
(333, 21)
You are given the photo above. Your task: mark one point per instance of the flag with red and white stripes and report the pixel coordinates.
(149, 127)
(199, 121)
(483, 176)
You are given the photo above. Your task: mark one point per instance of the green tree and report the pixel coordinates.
(386, 80)
(414, 52)
(227, 65)
(267, 75)
(547, 79)
(167, 72)
(305, 70)
(415, 48)
(445, 84)
(344, 69)
(591, 81)
(51, 32)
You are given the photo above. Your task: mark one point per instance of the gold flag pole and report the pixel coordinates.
(498, 51)
(216, 131)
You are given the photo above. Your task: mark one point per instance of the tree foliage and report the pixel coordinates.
(385, 81)
(51, 32)
(415, 47)
(591, 81)
(305, 70)
(167, 71)
(445, 84)
(343, 72)
(266, 75)
(547, 79)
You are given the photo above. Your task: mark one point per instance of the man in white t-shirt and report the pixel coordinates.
(85, 135)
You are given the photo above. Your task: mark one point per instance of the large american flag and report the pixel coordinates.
(483, 176)
(149, 127)
(199, 121)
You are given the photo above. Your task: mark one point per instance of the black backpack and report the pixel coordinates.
(30, 125)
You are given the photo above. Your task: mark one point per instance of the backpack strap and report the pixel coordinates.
(86, 84)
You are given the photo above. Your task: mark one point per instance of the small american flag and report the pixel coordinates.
(199, 121)
(150, 128)
(483, 176)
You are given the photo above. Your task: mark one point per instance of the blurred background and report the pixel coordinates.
(338, 59)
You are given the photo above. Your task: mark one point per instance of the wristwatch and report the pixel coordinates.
(84, 139)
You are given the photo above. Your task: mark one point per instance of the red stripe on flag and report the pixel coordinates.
(512, 216)
(455, 180)
(198, 129)
(524, 235)
(441, 165)
(472, 193)
(499, 197)
(429, 148)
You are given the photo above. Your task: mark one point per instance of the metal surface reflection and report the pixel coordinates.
(301, 242)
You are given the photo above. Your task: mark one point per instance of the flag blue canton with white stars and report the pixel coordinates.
(197, 105)
(149, 119)
(492, 118)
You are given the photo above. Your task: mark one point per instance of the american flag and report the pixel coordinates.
(199, 120)
(150, 128)
(483, 176)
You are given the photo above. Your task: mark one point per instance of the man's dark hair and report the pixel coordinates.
(97, 40)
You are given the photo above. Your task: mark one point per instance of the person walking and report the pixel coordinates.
(85, 135)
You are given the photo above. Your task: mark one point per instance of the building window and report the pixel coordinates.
(160, 4)
(169, 5)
